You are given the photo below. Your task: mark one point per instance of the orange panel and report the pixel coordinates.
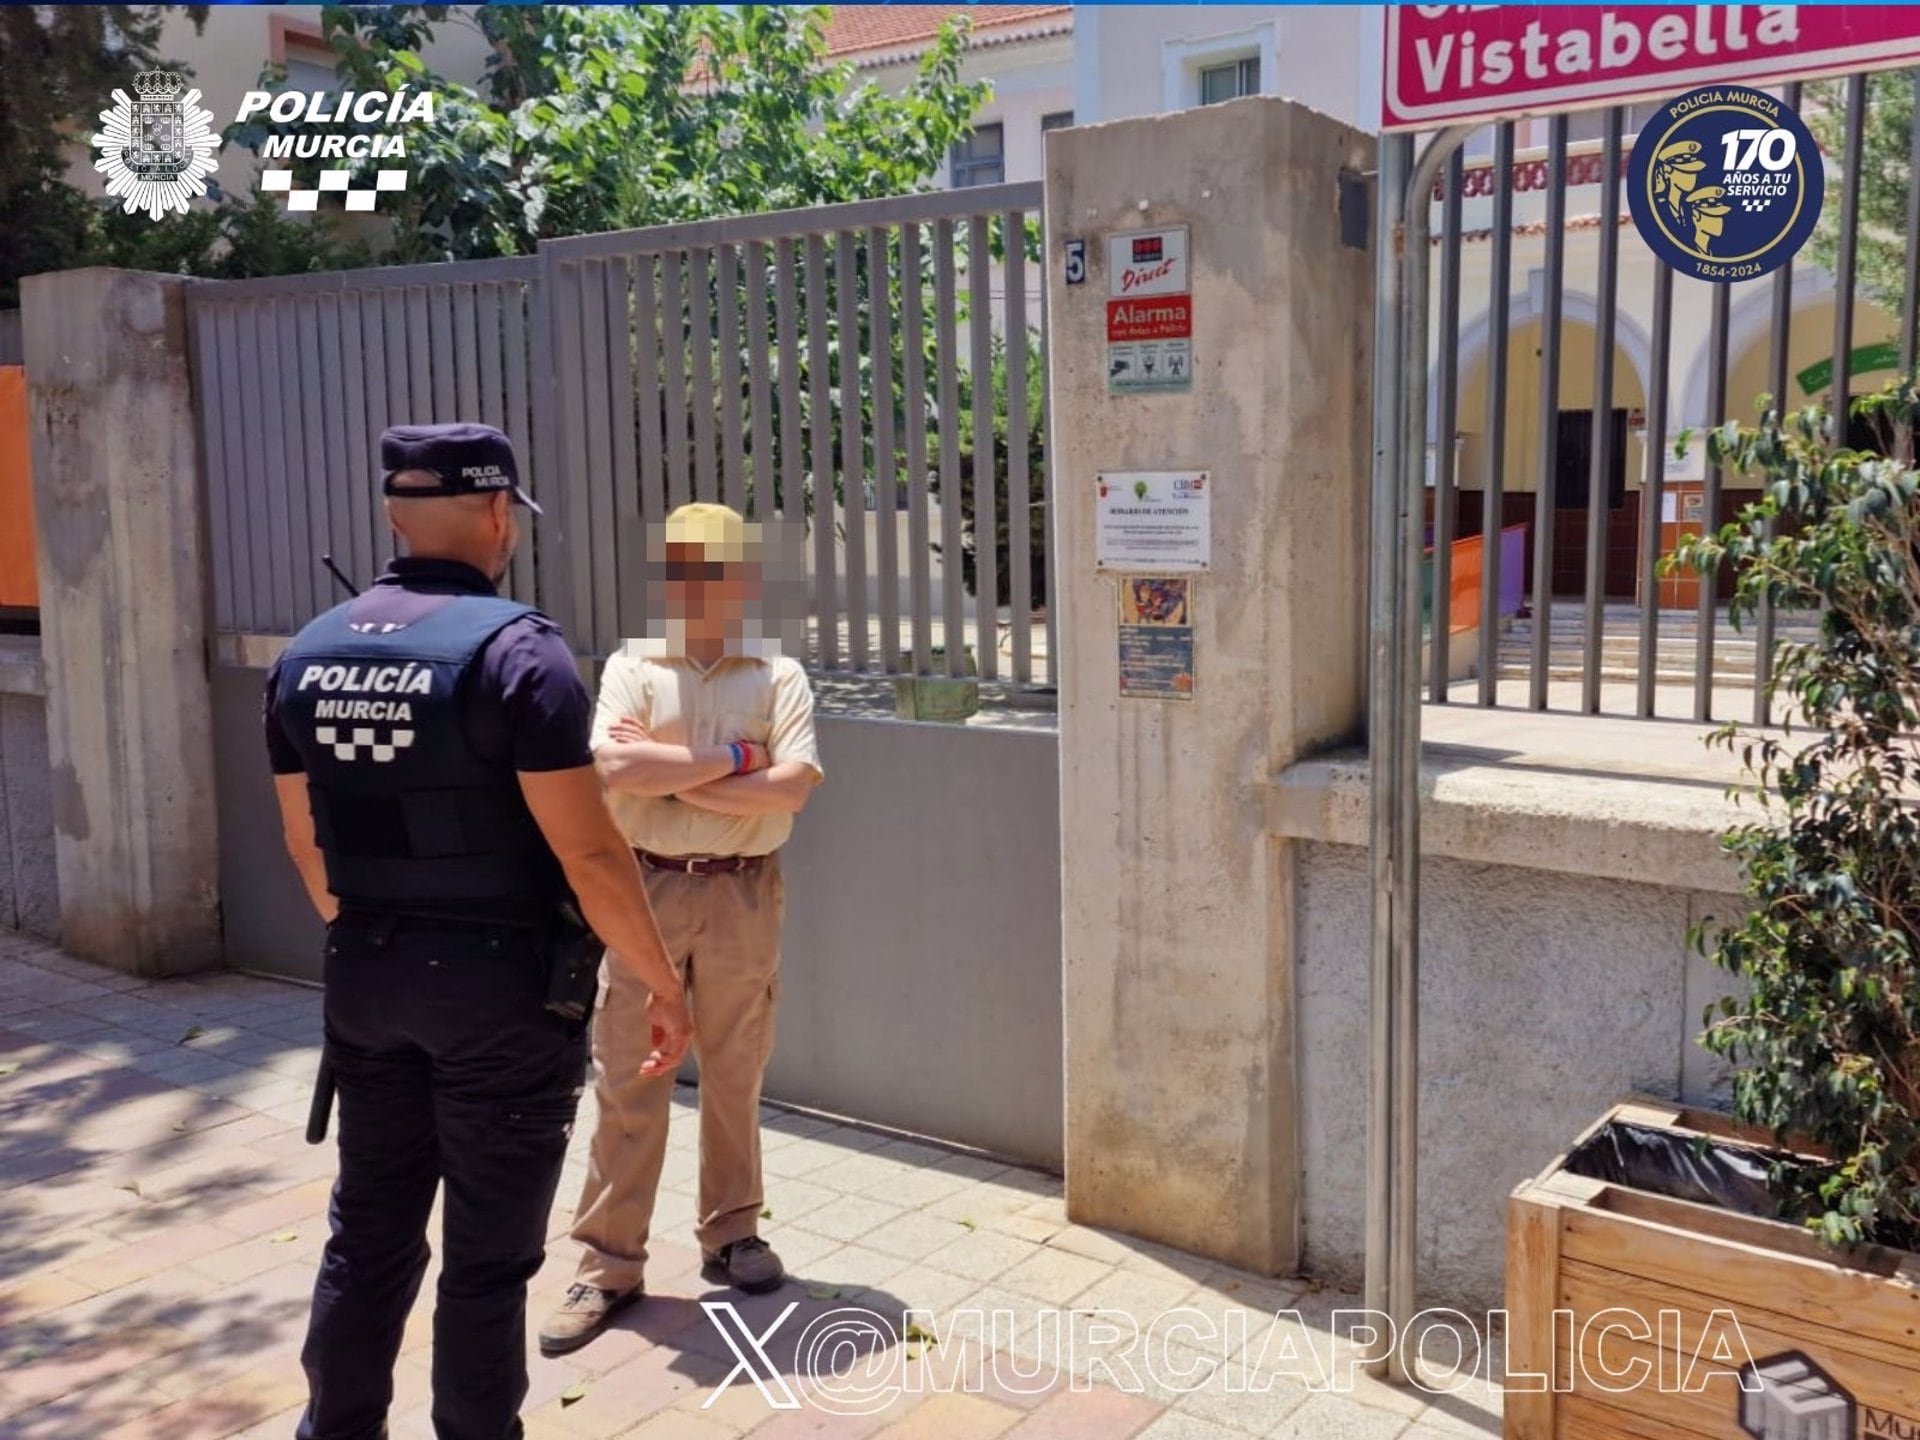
(1463, 603)
(18, 585)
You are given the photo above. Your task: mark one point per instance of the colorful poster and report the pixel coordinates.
(1156, 637)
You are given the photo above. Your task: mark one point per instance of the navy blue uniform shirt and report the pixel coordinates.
(524, 703)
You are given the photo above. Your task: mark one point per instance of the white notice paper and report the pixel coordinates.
(1152, 521)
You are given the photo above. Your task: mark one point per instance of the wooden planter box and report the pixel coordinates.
(1732, 1325)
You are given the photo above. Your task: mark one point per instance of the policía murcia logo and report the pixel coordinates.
(158, 149)
(1725, 183)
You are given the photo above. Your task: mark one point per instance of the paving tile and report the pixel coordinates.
(101, 1405)
(849, 1218)
(1242, 1400)
(161, 1244)
(955, 1417)
(1054, 1277)
(982, 1255)
(221, 1409)
(1098, 1413)
(919, 1287)
(952, 1365)
(973, 1167)
(40, 1295)
(678, 1425)
(1339, 1417)
(1176, 1425)
(914, 1236)
(981, 1205)
(852, 1269)
(790, 1198)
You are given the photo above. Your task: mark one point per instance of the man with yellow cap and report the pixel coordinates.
(704, 740)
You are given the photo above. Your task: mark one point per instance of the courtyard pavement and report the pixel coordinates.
(161, 1216)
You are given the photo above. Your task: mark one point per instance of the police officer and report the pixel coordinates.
(429, 747)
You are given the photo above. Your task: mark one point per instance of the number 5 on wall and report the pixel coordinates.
(1076, 262)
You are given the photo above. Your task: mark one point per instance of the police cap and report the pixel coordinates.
(467, 459)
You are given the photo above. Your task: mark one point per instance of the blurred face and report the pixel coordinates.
(708, 595)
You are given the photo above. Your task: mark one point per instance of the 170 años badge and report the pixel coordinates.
(1725, 183)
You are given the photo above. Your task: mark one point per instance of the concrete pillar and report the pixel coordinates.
(123, 593)
(1179, 910)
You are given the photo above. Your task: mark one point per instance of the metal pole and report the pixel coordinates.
(1395, 751)
(1383, 714)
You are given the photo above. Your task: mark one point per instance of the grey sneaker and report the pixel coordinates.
(582, 1315)
(748, 1265)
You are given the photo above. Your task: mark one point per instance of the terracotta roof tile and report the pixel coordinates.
(854, 31)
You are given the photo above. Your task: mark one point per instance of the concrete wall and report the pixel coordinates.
(1544, 997)
(1564, 860)
(120, 521)
(1178, 903)
(29, 888)
(921, 973)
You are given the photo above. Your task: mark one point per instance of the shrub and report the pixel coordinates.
(1827, 1033)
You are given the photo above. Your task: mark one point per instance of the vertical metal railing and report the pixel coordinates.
(1600, 473)
(295, 378)
(1546, 474)
(1446, 416)
(866, 370)
(856, 356)
(1560, 254)
(1493, 484)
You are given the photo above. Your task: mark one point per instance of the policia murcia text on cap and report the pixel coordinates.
(429, 743)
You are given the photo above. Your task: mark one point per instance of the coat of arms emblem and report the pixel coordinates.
(157, 150)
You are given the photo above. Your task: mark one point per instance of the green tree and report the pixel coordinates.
(1828, 1025)
(1887, 157)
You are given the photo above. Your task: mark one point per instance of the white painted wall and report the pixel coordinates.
(1030, 79)
(1144, 60)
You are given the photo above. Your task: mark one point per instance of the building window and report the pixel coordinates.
(1591, 125)
(1230, 81)
(981, 158)
(310, 70)
(1059, 120)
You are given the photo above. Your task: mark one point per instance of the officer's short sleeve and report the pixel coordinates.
(548, 709)
(282, 755)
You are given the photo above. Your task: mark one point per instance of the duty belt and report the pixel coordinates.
(699, 864)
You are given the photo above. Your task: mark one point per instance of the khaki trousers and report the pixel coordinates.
(723, 934)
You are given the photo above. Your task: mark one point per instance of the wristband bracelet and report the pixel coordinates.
(742, 757)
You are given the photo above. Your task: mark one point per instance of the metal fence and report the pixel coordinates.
(874, 372)
(1624, 355)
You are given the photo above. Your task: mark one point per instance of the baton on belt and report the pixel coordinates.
(322, 1108)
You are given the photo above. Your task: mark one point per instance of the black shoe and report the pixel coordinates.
(748, 1265)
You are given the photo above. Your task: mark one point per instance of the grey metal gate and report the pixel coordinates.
(874, 371)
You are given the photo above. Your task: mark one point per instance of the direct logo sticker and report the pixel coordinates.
(1725, 183)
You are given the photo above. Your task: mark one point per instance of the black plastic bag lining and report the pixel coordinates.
(1721, 1173)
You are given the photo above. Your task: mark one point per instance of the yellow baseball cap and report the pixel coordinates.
(717, 530)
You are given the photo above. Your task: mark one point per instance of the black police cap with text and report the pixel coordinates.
(467, 459)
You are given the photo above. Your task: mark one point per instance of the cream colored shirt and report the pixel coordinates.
(740, 698)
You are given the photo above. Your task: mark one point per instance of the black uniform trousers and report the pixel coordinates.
(447, 1068)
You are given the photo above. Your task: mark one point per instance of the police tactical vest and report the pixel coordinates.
(409, 818)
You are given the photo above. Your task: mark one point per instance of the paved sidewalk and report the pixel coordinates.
(162, 1216)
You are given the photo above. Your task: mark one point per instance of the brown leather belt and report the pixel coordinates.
(699, 864)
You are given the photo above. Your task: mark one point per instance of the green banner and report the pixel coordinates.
(1865, 361)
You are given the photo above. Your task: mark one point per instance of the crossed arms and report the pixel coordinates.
(632, 761)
